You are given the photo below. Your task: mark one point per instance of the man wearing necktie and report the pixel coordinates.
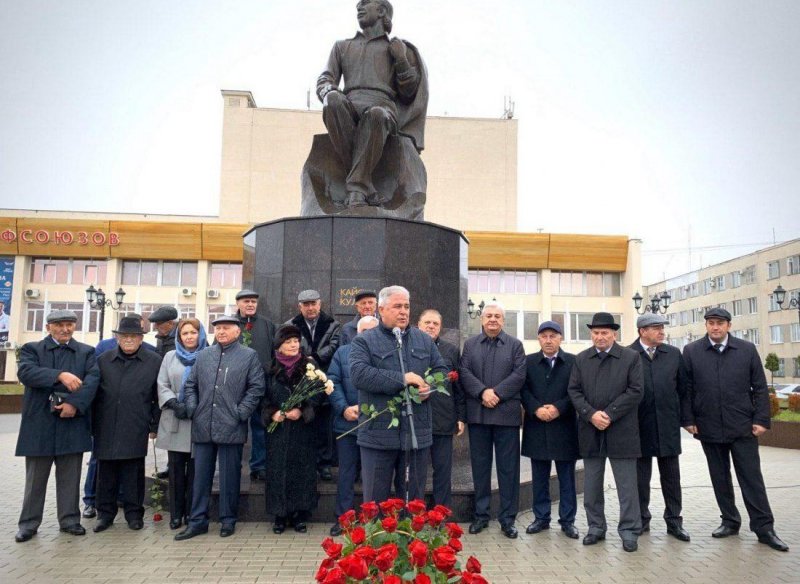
(727, 411)
(550, 434)
(665, 390)
(55, 368)
(605, 387)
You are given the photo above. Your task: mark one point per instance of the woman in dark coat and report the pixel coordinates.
(291, 486)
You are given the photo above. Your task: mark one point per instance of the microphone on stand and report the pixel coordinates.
(398, 335)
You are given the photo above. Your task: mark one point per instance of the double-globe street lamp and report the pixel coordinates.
(658, 304)
(97, 299)
(780, 297)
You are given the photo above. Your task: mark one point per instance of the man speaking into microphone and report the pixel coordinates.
(377, 362)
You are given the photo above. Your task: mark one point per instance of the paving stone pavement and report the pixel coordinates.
(254, 554)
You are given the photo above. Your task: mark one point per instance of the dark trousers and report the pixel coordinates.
(624, 469)
(381, 468)
(230, 478)
(258, 442)
(567, 495)
(90, 484)
(323, 427)
(127, 475)
(358, 125)
(181, 477)
(68, 488)
(349, 457)
(669, 470)
(442, 468)
(505, 441)
(747, 464)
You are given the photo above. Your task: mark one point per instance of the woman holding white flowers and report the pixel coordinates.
(291, 486)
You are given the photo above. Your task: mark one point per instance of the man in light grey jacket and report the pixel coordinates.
(223, 389)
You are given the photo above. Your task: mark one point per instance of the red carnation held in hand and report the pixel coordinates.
(452, 376)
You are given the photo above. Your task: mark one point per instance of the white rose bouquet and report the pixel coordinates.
(313, 383)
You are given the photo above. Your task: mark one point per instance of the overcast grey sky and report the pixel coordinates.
(653, 119)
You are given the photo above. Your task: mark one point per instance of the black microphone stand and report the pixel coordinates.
(408, 414)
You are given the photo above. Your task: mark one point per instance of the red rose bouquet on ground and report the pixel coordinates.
(395, 543)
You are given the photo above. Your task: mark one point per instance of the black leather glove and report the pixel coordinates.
(180, 410)
(170, 404)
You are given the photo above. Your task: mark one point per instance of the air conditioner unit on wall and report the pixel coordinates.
(8, 345)
(187, 291)
(212, 293)
(32, 293)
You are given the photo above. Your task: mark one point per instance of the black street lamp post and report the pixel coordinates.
(658, 304)
(471, 312)
(780, 298)
(97, 299)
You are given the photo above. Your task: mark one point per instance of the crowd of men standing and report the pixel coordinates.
(610, 403)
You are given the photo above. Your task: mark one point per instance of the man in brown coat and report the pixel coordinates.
(605, 387)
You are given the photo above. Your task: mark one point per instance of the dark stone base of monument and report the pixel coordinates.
(339, 255)
(399, 178)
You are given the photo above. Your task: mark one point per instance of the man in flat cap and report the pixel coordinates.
(321, 336)
(727, 411)
(258, 334)
(60, 381)
(166, 319)
(124, 414)
(366, 305)
(223, 389)
(605, 387)
(665, 391)
(549, 434)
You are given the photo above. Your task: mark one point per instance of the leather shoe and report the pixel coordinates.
(258, 475)
(175, 523)
(724, 531)
(478, 525)
(772, 540)
(164, 474)
(336, 530)
(24, 535)
(678, 532)
(189, 533)
(89, 512)
(300, 527)
(537, 526)
(279, 527)
(227, 530)
(509, 531)
(102, 525)
(591, 539)
(325, 473)
(630, 545)
(74, 529)
(135, 524)
(570, 530)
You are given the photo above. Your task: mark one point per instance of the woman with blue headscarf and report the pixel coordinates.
(174, 428)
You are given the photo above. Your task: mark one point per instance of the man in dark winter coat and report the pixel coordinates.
(345, 406)
(258, 334)
(166, 319)
(449, 411)
(729, 410)
(550, 434)
(223, 389)
(52, 433)
(665, 389)
(320, 340)
(605, 386)
(377, 374)
(366, 305)
(124, 414)
(492, 372)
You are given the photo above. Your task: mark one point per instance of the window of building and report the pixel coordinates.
(773, 270)
(736, 279)
(694, 290)
(752, 305)
(187, 311)
(794, 332)
(723, 305)
(752, 336)
(720, 282)
(561, 319)
(736, 307)
(179, 274)
(708, 286)
(796, 362)
(159, 273)
(225, 276)
(76, 307)
(793, 265)
(511, 323)
(34, 317)
(214, 312)
(68, 271)
(504, 281)
(776, 334)
(585, 283)
(749, 275)
(530, 325)
(773, 303)
(781, 372)
(143, 309)
(685, 317)
(578, 331)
